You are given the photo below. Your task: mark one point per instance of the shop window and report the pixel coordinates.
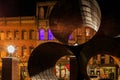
(50, 35)
(111, 60)
(98, 73)
(102, 59)
(23, 72)
(92, 72)
(41, 34)
(62, 71)
(62, 68)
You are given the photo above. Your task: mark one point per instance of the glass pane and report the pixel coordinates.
(41, 34)
(50, 35)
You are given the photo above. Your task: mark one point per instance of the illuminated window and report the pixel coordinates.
(111, 60)
(31, 34)
(24, 35)
(50, 35)
(16, 34)
(102, 59)
(70, 37)
(41, 34)
(9, 35)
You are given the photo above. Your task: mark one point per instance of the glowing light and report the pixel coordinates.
(50, 35)
(11, 49)
(76, 44)
(41, 34)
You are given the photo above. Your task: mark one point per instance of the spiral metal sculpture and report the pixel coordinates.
(66, 16)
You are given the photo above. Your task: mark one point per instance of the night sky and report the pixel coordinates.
(11, 8)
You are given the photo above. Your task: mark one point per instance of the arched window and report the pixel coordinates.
(31, 34)
(24, 35)
(41, 34)
(9, 35)
(70, 37)
(16, 34)
(50, 35)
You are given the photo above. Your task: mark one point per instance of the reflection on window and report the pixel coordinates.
(41, 34)
(62, 71)
(50, 35)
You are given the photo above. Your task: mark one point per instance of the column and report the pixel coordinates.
(10, 69)
(73, 68)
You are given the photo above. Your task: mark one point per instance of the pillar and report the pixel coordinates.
(10, 69)
(73, 68)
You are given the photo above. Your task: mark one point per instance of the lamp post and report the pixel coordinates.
(10, 69)
(11, 50)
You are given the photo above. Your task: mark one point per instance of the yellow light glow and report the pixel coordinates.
(11, 49)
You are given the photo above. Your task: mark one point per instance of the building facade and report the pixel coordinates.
(26, 33)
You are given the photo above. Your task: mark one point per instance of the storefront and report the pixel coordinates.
(66, 68)
(104, 71)
(62, 71)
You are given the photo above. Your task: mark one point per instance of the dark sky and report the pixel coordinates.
(28, 7)
(17, 7)
(109, 7)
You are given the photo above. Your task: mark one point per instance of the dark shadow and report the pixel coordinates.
(45, 56)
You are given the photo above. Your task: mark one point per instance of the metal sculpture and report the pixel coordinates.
(67, 16)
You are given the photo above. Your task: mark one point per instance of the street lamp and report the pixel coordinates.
(10, 65)
(76, 44)
(11, 50)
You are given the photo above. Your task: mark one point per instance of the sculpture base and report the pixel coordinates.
(10, 68)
